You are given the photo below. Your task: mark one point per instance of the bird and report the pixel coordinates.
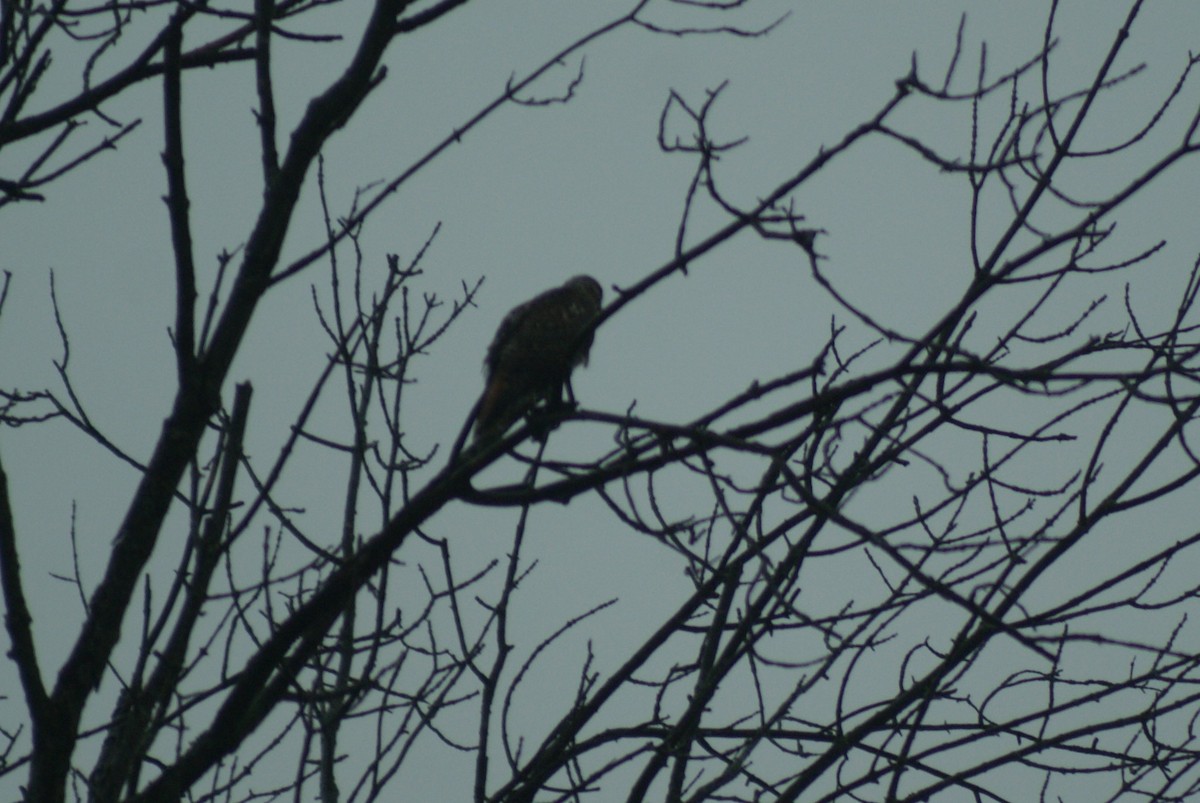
(535, 349)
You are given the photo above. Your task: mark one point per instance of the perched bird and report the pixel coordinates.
(534, 351)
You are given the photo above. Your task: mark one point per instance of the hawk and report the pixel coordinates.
(534, 351)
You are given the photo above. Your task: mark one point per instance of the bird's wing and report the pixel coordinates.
(509, 326)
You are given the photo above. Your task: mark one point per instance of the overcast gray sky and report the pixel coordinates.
(529, 198)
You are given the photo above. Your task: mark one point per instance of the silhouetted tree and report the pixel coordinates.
(890, 543)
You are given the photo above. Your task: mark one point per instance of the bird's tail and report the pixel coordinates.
(497, 409)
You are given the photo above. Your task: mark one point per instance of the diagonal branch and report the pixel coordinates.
(17, 618)
(178, 206)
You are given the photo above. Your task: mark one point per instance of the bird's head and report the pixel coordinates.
(586, 285)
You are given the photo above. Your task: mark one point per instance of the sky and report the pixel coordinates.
(527, 199)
